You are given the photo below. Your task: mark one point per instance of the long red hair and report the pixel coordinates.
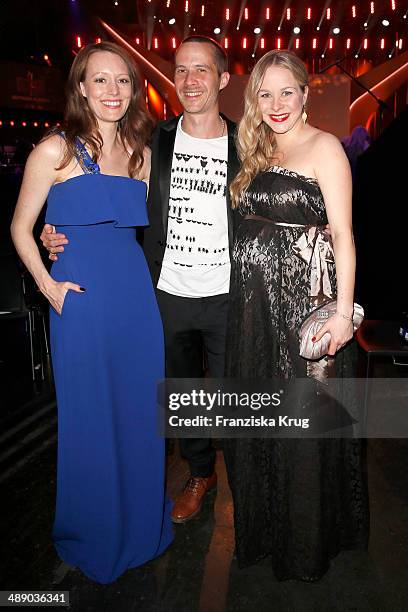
(134, 129)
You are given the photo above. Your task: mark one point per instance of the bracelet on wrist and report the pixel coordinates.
(344, 316)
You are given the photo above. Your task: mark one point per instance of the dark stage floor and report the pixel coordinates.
(198, 572)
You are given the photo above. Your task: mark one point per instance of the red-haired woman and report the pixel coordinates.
(106, 332)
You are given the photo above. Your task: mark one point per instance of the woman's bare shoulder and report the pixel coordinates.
(50, 149)
(321, 140)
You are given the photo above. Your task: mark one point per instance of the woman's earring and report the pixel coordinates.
(304, 114)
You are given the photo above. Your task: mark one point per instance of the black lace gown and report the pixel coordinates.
(297, 501)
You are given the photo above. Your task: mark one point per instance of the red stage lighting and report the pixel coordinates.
(372, 8)
(173, 43)
(330, 43)
(393, 5)
(278, 43)
(35, 124)
(382, 43)
(354, 10)
(309, 13)
(328, 13)
(246, 13)
(314, 43)
(137, 41)
(168, 3)
(155, 43)
(78, 42)
(12, 123)
(46, 124)
(186, 6)
(98, 41)
(262, 43)
(244, 43)
(227, 14)
(288, 14)
(297, 43)
(24, 123)
(400, 44)
(348, 43)
(225, 43)
(365, 43)
(268, 13)
(202, 10)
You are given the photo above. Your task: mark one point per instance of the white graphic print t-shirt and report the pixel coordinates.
(196, 260)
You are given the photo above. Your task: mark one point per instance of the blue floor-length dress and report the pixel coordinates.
(107, 352)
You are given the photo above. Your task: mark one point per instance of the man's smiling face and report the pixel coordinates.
(196, 77)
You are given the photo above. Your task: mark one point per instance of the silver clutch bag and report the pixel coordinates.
(314, 322)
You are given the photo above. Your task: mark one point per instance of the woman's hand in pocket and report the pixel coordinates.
(56, 292)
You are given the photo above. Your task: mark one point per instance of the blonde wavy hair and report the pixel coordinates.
(255, 140)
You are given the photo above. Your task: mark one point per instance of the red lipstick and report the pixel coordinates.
(279, 118)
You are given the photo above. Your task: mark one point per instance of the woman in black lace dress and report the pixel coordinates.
(297, 501)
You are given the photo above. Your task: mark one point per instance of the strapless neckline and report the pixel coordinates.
(294, 174)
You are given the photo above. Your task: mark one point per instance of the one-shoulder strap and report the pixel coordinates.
(82, 156)
(84, 159)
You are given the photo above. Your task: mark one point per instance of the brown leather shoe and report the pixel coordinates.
(189, 502)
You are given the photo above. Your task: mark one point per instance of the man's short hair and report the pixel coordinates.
(220, 56)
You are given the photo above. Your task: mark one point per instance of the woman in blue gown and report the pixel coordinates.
(106, 334)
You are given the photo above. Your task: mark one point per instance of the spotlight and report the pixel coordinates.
(253, 55)
(318, 28)
(385, 22)
(217, 30)
(322, 56)
(336, 30)
(356, 56)
(172, 21)
(257, 30)
(365, 24)
(296, 30)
